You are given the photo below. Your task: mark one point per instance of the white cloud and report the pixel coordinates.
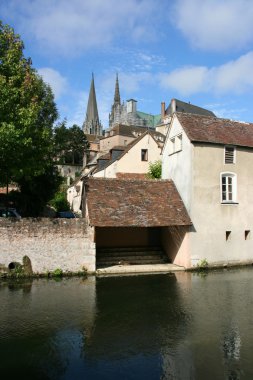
(70, 27)
(234, 77)
(187, 80)
(215, 24)
(57, 82)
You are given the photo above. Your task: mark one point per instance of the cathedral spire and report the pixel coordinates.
(92, 124)
(116, 93)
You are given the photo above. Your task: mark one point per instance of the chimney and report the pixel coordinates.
(162, 110)
(173, 106)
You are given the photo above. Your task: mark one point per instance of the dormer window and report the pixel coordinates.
(175, 144)
(229, 155)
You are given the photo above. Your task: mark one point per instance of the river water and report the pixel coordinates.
(170, 326)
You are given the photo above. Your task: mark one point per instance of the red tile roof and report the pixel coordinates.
(215, 130)
(115, 202)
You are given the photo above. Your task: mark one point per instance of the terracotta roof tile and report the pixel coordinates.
(115, 202)
(215, 130)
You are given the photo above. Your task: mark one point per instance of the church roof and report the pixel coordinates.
(152, 120)
(115, 202)
(216, 130)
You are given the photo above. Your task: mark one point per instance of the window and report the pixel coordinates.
(246, 234)
(228, 235)
(144, 155)
(229, 155)
(228, 188)
(175, 144)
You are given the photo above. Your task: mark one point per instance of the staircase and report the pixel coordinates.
(130, 256)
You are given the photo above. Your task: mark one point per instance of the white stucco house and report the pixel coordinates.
(210, 161)
(133, 159)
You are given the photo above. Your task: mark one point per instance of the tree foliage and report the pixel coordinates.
(155, 170)
(70, 144)
(27, 115)
(60, 202)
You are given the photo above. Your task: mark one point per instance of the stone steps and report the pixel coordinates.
(130, 256)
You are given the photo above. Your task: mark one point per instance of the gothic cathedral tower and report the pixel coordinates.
(92, 125)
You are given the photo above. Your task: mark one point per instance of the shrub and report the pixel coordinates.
(59, 202)
(155, 170)
(57, 273)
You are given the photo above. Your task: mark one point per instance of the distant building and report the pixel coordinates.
(127, 114)
(92, 124)
(131, 161)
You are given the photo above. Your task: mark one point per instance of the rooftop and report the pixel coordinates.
(180, 106)
(134, 203)
(215, 130)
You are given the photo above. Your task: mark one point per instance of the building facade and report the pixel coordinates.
(210, 161)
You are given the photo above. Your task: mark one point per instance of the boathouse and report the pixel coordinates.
(137, 221)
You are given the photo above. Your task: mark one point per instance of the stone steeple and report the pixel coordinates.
(92, 125)
(116, 93)
(114, 116)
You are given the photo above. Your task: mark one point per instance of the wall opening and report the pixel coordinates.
(246, 234)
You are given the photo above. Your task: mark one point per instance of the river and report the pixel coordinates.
(169, 326)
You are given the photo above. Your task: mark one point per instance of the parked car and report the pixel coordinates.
(9, 212)
(65, 214)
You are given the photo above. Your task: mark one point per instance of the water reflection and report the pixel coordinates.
(180, 326)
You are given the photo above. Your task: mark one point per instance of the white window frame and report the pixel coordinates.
(175, 144)
(234, 155)
(229, 188)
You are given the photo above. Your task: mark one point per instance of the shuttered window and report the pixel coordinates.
(229, 155)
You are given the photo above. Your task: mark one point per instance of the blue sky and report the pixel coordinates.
(199, 51)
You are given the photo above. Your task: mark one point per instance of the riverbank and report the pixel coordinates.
(118, 270)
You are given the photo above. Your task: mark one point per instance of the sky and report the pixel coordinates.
(198, 51)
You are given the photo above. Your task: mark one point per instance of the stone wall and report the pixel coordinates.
(67, 244)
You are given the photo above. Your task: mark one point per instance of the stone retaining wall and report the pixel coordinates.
(67, 244)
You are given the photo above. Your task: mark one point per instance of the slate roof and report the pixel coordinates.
(215, 130)
(188, 108)
(115, 202)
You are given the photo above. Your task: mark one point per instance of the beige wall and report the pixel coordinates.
(108, 143)
(131, 161)
(175, 240)
(211, 218)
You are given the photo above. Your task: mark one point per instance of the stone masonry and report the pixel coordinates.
(67, 244)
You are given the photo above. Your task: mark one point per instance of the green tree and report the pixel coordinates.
(155, 170)
(70, 144)
(59, 202)
(27, 115)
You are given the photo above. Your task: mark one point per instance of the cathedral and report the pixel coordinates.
(127, 114)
